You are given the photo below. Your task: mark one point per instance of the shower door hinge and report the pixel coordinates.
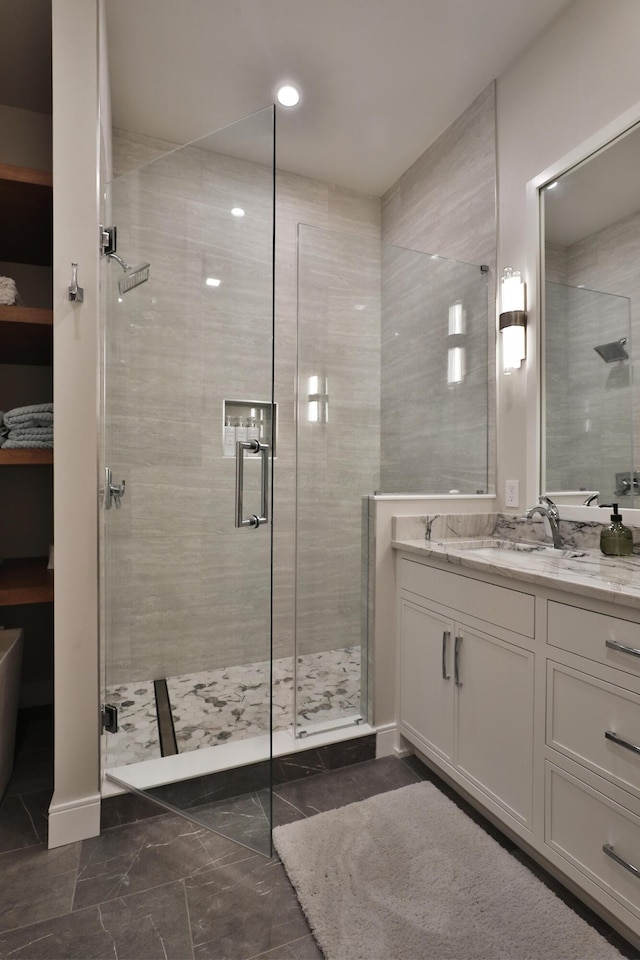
(109, 717)
(108, 240)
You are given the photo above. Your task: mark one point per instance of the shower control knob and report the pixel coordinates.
(113, 492)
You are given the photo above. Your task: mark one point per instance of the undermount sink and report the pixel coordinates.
(493, 545)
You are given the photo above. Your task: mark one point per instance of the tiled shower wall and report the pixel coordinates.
(181, 593)
(592, 405)
(444, 205)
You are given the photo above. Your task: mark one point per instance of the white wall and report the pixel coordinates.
(75, 807)
(579, 76)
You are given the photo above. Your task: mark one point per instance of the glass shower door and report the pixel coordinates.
(188, 417)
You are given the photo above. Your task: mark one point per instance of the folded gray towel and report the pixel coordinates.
(9, 295)
(31, 433)
(35, 415)
(33, 444)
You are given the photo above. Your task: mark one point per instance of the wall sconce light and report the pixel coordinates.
(513, 319)
(318, 400)
(456, 350)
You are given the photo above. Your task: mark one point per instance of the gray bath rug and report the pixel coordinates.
(406, 875)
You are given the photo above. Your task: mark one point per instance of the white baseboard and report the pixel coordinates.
(74, 820)
(386, 740)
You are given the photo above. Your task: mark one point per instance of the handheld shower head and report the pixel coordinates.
(611, 352)
(133, 276)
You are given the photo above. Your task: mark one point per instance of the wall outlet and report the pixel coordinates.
(512, 493)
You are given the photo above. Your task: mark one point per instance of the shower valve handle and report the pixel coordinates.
(113, 492)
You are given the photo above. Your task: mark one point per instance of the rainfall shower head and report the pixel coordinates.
(613, 351)
(133, 276)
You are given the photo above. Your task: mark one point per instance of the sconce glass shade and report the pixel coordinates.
(511, 291)
(513, 320)
(318, 400)
(455, 366)
(457, 319)
(513, 348)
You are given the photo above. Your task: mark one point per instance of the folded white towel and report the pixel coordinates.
(9, 295)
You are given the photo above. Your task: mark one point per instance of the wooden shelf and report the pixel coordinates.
(25, 581)
(26, 215)
(26, 335)
(25, 457)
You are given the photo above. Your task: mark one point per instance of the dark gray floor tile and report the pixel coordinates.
(33, 770)
(36, 884)
(284, 812)
(303, 949)
(339, 787)
(242, 911)
(139, 856)
(242, 819)
(17, 827)
(144, 926)
(128, 808)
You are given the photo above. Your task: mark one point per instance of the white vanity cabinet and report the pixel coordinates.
(592, 765)
(527, 696)
(466, 683)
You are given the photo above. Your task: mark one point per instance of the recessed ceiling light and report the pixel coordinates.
(237, 212)
(213, 282)
(288, 96)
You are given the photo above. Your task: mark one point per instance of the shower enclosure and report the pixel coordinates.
(240, 452)
(186, 525)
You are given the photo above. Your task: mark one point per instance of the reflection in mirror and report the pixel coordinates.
(591, 218)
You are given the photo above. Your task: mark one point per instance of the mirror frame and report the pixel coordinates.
(535, 312)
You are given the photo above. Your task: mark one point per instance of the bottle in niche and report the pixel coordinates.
(616, 540)
(229, 438)
(241, 429)
(253, 430)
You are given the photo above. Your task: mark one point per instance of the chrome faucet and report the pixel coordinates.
(550, 518)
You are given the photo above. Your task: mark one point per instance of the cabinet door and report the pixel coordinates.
(494, 728)
(426, 679)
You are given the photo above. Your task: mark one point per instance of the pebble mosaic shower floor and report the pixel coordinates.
(217, 706)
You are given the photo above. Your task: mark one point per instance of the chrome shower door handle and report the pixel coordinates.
(254, 446)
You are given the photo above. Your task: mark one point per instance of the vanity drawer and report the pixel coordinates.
(579, 821)
(506, 608)
(580, 710)
(604, 639)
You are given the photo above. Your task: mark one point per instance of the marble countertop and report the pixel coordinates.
(584, 572)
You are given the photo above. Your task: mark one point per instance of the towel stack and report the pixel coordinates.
(9, 295)
(30, 426)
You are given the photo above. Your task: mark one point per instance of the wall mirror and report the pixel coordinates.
(590, 298)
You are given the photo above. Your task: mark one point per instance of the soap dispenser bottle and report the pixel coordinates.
(616, 540)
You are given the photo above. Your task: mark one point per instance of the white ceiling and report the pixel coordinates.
(380, 79)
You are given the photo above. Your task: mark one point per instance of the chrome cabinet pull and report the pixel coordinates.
(456, 661)
(610, 735)
(263, 449)
(445, 637)
(614, 645)
(610, 852)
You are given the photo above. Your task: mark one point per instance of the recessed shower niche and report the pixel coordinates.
(248, 420)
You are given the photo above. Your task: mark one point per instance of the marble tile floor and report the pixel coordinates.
(156, 886)
(216, 706)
